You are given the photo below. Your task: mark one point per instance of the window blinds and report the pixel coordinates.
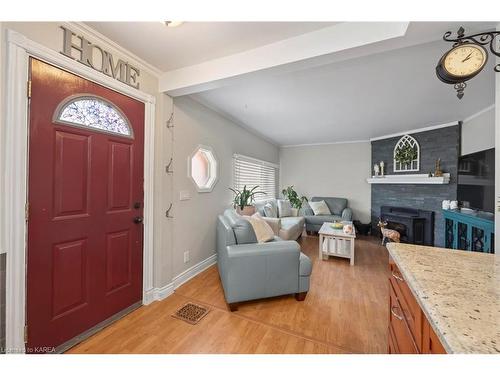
(252, 172)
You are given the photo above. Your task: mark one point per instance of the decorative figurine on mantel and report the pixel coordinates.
(438, 172)
(376, 170)
(382, 168)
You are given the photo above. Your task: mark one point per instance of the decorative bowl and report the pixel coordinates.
(337, 225)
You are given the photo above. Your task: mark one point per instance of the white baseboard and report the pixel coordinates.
(157, 294)
(193, 271)
(148, 296)
(163, 292)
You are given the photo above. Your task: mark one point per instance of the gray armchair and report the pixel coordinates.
(338, 208)
(289, 227)
(249, 270)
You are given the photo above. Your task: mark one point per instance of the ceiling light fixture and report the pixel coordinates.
(173, 23)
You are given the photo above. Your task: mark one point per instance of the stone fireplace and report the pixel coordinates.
(442, 143)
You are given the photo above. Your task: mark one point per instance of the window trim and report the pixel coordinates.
(82, 96)
(214, 169)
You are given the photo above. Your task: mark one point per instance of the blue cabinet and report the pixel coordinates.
(472, 231)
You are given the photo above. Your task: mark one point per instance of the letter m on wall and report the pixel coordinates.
(109, 68)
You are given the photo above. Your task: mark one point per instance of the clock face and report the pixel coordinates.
(465, 60)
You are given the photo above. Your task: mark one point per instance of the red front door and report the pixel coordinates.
(85, 205)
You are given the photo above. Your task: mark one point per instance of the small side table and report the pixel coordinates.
(335, 242)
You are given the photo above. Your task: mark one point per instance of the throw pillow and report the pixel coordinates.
(263, 230)
(274, 223)
(320, 208)
(270, 210)
(284, 208)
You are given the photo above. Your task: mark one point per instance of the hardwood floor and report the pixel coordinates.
(345, 312)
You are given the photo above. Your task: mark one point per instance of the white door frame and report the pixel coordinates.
(497, 157)
(14, 164)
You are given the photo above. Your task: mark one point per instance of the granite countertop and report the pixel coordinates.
(458, 291)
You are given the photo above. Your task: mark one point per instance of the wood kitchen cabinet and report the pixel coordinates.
(431, 343)
(409, 332)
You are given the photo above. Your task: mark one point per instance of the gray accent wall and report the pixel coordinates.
(3, 258)
(441, 143)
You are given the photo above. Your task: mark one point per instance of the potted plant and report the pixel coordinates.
(296, 201)
(243, 200)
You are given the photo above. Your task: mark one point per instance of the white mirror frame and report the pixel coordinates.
(415, 163)
(213, 172)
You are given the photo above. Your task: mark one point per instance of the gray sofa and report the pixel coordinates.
(249, 270)
(338, 208)
(287, 228)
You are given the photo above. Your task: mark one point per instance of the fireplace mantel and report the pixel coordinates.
(410, 179)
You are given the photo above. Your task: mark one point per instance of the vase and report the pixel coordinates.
(246, 211)
(446, 204)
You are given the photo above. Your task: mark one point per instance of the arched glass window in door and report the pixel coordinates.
(93, 112)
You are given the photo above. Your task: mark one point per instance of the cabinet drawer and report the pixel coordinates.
(410, 309)
(397, 322)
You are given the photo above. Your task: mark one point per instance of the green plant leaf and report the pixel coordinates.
(290, 194)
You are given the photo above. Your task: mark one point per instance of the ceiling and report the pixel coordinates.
(367, 94)
(191, 43)
(352, 100)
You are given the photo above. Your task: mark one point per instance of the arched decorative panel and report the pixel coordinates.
(93, 112)
(407, 145)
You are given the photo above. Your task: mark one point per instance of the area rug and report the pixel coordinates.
(191, 313)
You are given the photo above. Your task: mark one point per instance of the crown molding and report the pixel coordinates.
(325, 143)
(412, 131)
(477, 114)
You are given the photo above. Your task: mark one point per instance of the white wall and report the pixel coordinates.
(195, 219)
(335, 170)
(478, 131)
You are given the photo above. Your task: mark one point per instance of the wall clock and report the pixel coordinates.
(465, 59)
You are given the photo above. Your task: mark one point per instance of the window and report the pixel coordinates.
(93, 112)
(202, 168)
(252, 172)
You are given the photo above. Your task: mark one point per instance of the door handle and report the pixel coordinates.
(138, 219)
(397, 277)
(394, 313)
